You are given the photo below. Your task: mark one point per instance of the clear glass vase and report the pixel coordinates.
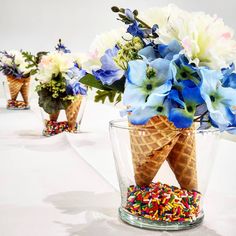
(163, 172)
(67, 120)
(17, 92)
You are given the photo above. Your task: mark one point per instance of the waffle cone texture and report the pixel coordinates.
(158, 141)
(72, 112)
(17, 86)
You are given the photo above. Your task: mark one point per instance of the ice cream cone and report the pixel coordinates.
(72, 112)
(150, 146)
(54, 116)
(25, 90)
(182, 160)
(14, 86)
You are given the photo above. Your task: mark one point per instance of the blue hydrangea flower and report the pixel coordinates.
(62, 48)
(109, 72)
(219, 100)
(184, 74)
(151, 52)
(135, 30)
(229, 79)
(183, 106)
(73, 86)
(156, 104)
(168, 51)
(148, 53)
(139, 86)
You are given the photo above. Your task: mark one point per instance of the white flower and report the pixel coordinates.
(22, 65)
(98, 47)
(205, 39)
(53, 64)
(20, 62)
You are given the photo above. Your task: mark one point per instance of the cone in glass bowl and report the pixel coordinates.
(72, 112)
(25, 90)
(182, 160)
(150, 147)
(15, 86)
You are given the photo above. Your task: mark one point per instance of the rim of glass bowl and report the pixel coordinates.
(124, 124)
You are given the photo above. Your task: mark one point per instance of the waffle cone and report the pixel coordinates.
(25, 90)
(72, 112)
(150, 147)
(15, 86)
(182, 160)
(54, 116)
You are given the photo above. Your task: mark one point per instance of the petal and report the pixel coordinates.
(222, 116)
(148, 53)
(163, 89)
(140, 116)
(180, 117)
(174, 95)
(107, 59)
(192, 95)
(107, 76)
(230, 81)
(162, 68)
(228, 95)
(210, 80)
(133, 96)
(168, 51)
(155, 100)
(136, 73)
(129, 14)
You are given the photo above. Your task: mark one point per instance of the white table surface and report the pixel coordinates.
(66, 185)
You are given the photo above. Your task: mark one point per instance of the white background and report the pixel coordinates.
(36, 25)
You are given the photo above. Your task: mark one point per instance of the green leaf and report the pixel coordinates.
(91, 81)
(39, 56)
(110, 95)
(49, 104)
(118, 85)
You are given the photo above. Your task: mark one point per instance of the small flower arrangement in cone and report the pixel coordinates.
(174, 72)
(18, 66)
(59, 88)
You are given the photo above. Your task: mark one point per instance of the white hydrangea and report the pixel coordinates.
(53, 64)
(98, 47)
(206, 40)
(19, 61)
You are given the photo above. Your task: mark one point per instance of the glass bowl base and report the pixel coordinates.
(17, 105)
(141, 222)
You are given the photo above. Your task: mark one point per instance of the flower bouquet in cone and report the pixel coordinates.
(59, 88)
(174, 72)
(17, 66)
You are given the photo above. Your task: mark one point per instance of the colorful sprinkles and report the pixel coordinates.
(162, 202)
(54, 127)
(13, 104)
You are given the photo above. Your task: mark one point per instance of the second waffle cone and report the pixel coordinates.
(182, 160)
(72, 112)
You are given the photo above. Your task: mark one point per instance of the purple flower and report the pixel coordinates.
(109, 72)
(73, 86)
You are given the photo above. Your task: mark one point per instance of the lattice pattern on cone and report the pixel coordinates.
(14, 86)
(182, 160)
(72, 112)
(150, 147)
(25, 90)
